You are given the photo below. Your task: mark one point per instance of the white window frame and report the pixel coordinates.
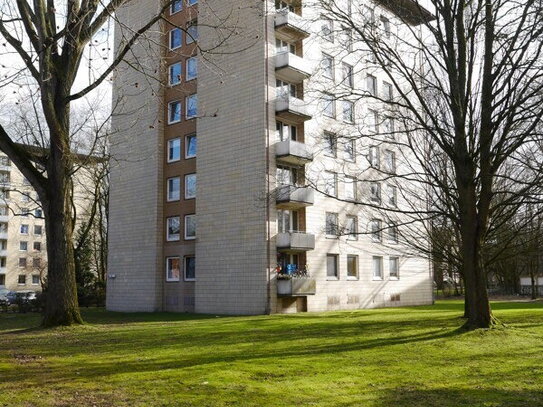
(187, 195)
(357, 267)
(330, 180)
(194, 96)
(185, 267)
(336, 226)
(187, 156)
(32, 280)
(189, 38)
(377, 232)
(351, 182)
(350, 235)
(27, 229)
(20, 245)
(178, 80)
(173, 279)
(189, 77)
(170, 148)
(173, 237)
(172, 11)
(41, 228)
(348, 107)
(329, 102)
(170, 38)
(377, 196)
(396, 260)
(336, 261)
(170, 105)
(169, 192)
(328, 70)
(377, 260)
(187, 217)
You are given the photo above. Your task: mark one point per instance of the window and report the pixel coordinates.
(328, 66)
(392, 233)
(5, 194)
(283, 5)
(394, 267)
(377, 268)
(348, 111)
(173, 228)
(190, 146)
(192, 2)
(36, 262)
(174, 112)
(23, 246)
(371, 85)
(25, 197)
(22, 262)
(24, 229)
(373, 157)
(25, 212)
(373, 121)
(389, 161)
(176, 38)
(369, 14)
(392, 195)
(21, 280)
(35, 279)
(190, 186)
(38, 213)
(4, 161)
(332, 224)
(37, 246)
(330, 183)
(327, 30)
(350, 149)
(38, 229)
(3, 244)
(285, 89)
(192, 69)
(286, 131)
(174, 150)
(385, 24)
(287, 221)
(4, 211)
(190, 227)
(375, 192)
(286, 175)
(192, 106)
(190, 268)
(2, 262)
(388, 92)
(176, 6)
(174, 187)
(351, 227)
(175, 74)
(350, 188)
(348, 39)
(2, 279)
(347, 75)
(352, 266)
(172, 269)
(332, 266)
(283, 47)
(330, 144)
(192, 31)
(4, 228)
(375, 226)
(388, 127)
(328, 105)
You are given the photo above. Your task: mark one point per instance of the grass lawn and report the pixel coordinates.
(389, 357)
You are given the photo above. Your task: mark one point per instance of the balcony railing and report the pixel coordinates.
(290, 26)
(293, 152)
(291, 108)
(294, 197)
(296, 287)
(291, 68)
(295, 242)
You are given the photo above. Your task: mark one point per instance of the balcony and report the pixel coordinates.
(296, 287)
(3, 252)
(291, 68)
(4, 218)
(292, 109)
(5, 168)
(294, 197)
(409, 11)
(295, 242)
(290, 26)
(293, 152)
(3, 235)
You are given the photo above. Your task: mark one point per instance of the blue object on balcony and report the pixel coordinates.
(291, 268)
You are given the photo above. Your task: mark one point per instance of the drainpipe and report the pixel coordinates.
(268, 178)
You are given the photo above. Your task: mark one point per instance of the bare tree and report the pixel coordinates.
(464, 88)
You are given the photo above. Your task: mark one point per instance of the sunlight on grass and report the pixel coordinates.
(388, 357)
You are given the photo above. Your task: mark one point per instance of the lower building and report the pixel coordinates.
(230, 193)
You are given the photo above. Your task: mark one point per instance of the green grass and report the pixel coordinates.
(389, 357)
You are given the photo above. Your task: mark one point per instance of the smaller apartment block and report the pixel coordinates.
(231, 178)
(23, 256)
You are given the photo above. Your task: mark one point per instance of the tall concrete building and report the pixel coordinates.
(22, 232)
(230, 192)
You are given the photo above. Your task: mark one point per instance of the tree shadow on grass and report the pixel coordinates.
(410, 396)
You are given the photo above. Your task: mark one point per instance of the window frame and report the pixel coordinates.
(185, 258)
(352, 236)
(188, 98)
(334, 225)
(171, 237)
(170, 141)
(356, 266)
(169, 191)
(187, 196)
(170, 104)
(175, 29)
(396, 260)
(185, 223)
(377, 233)
(187, 156)
(173, 278)
(187, 70)
(335, 256)
(170, 77)
(378, 277)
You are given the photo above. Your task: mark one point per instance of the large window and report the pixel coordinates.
(174, 112)
(192, 31)
(176, 6)
(332, 266)
(284, 89)
(330, 183)
(328, 66)
(190, 186)
(352, 266)
(332, 224)
(286, 131)
(175, 74)
(190, 268)
(172, 268)
(173, 228)
(348, 111)
(374, 157)
(190, 146)
(330, 144)
(392, 195)
(286, 175)
(389, 160)
(192, 106)
(328, 105)
(394, 267)
(174, 150)
(376, 231)
(350, 188)
(347, 75)
(351, 227)
(377, 268)
(190, 227)
(23, 246)
(192, 69)
(176, 38)
(375, 192)
(174, 189)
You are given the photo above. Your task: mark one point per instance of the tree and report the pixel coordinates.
(49, 38)
(466, 86)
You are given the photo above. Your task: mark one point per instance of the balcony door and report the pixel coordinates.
(285, 89)
(287, 175)
(286, 131)
(287, 221)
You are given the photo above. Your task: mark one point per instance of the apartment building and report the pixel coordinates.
(231, 192)
(23, 261)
